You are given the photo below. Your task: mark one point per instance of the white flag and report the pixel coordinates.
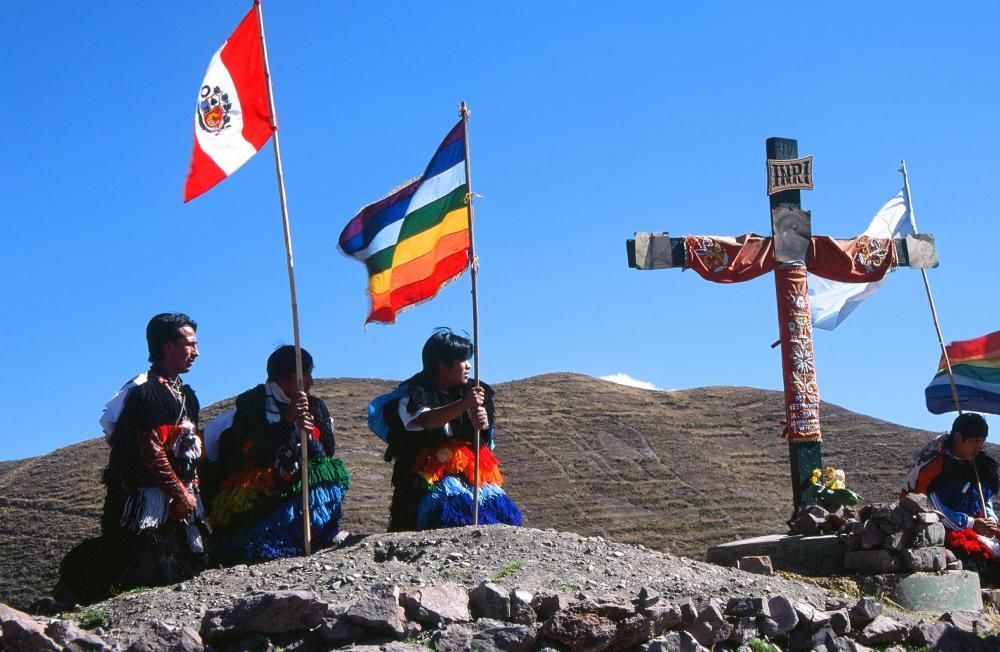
(833, 301)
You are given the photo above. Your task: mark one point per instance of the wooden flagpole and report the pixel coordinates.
(937, 328)
(930, 297)
(474, 269)
(303, 436)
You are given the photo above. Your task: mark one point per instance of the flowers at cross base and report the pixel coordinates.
(828, 488)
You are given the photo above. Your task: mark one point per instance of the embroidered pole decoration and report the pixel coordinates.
(474, 266)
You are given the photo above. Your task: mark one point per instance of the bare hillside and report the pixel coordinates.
(675, 471)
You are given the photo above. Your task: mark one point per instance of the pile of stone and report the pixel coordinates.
(907, 536)
(449, 618)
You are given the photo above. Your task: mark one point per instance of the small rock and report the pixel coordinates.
(759, 565)
(810, 637)
(753, 607)
(966, 621)
(916, 503)
(834, 603)
(340, 632)
(840, 621)
(22, 632)
(379, 611)
(266, 613)
(485, 635)
(925, 560)
(883, 630)
(447, 603)
(160, 637)
(710, 627)
(782, 617)
(648, 597)
(928, 634)
(546, 604)
(675, 642)
(865, 611)
(744, 631)
(521, 611)
(64, 632)
(929, 534)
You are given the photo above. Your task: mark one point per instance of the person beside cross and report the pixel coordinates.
(960, 481)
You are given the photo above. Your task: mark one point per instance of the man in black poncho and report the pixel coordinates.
(152, 524)
(257, 512)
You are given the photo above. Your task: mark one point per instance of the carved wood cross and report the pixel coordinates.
(790, 253)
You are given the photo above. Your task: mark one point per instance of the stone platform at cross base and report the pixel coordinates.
(811, 556)
(823, 556)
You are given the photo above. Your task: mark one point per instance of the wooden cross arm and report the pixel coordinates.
(657, 250)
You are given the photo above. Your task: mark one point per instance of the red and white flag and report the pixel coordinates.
(232, 118)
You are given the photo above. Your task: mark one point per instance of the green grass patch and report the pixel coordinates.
(93, 618)
(760, 645)
(508, 570)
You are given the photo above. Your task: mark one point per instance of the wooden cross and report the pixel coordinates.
(790, 252)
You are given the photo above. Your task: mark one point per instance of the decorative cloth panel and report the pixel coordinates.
(797, 362)
(861, 260)
(730, 260)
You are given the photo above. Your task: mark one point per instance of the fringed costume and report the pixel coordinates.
(951, 487)
(433, 472)
(153, 464)
(257, 512)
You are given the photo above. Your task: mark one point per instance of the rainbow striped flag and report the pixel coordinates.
(417, 238)
(976, 366)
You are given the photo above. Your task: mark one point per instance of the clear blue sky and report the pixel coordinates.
(590, 121)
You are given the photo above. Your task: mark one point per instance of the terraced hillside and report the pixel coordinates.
(678, 471)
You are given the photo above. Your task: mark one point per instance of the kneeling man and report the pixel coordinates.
(959, 478)
(257, 512)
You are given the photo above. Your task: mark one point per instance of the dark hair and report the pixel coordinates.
(445, 346)
(281, 363)
(971, 426)
(165, 327)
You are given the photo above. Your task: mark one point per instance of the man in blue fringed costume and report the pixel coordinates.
(152, 529)
(256, 513)
(429, 422)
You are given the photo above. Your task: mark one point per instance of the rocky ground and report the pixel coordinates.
(573, 592)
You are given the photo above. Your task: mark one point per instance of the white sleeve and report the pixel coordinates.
(114, 407)
(213, 431)
(406, 417)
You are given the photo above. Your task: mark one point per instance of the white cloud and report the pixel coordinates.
(625, 379)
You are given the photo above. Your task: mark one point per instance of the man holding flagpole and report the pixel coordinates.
(234, 117)
(430, 422)
(960, 480)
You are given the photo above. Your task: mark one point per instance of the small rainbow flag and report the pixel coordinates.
(417, 238)
(976, 366)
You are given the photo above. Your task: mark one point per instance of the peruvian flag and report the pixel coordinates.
(232, 118)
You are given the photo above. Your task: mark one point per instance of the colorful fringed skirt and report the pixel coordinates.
(256, 518)
(449, 473)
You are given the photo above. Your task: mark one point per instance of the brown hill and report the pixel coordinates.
(676, 471)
